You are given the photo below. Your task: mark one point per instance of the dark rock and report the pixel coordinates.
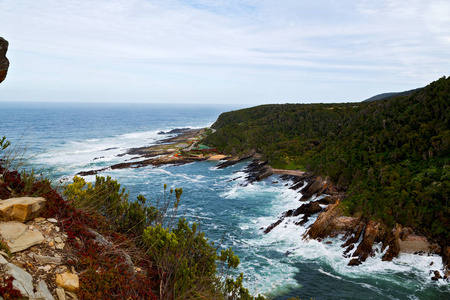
(303, 220)
(391, 240)
(269, 229)
(437, 274)
(256, 171)
(308, 208)
(371, 235)
(175, 131)
(288, 213)
(4, 62)
(314, 186)
(327, 200)
(349, 248)
(354, 262)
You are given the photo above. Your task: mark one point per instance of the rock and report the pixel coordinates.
(18, 237)
(256, 171)
(23, 281)
(58, 239)
(371, 235)
(3, 260)
(327, 200)
(61, 294)
(354, 262)
(446, 257)
(72, 296)
(21, 209)
(317, 185)
(52, 220)
(4, 254)
(331, 222)
(269, 229)
(437, 274)
(47, 259)
(42, 292)
(68, 281)
(392, 240)
(4, 62)
(60, 246)
(308, 208)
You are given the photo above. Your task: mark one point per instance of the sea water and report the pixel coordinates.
(63, 139)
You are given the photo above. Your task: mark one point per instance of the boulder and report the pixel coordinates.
(68, 281)
(4, 62)
(19, 237)
(21, 209)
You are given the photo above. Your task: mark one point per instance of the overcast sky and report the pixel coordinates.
(223, 51)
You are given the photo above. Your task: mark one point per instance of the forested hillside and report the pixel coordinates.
(391, 156)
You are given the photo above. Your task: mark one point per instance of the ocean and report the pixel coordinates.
(62, 139)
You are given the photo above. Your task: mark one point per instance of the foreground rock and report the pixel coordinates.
(21, 209)
(19, 236)
(68, 281)
(4, 62)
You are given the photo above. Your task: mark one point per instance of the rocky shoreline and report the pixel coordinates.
(177, 150)
(358, 234)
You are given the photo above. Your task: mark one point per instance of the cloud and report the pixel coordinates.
(235, 47)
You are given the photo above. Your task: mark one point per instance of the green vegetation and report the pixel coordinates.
(392, 156)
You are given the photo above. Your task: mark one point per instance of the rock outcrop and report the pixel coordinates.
(4, 62)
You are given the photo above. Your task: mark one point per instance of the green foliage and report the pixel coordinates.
(187, 264)
(107, 198)
(392, 156)
(4, 143)
(4, 247)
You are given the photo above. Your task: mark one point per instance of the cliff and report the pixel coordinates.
(4, 62)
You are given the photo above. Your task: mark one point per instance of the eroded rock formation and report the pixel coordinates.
(4, 62)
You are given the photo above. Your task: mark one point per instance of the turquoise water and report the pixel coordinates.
(68, 138)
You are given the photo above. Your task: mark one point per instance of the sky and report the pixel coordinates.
(223, 51)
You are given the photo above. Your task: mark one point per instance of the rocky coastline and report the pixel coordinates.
(177, 150)
(358, 234)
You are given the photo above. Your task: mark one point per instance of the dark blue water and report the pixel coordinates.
(67, 138)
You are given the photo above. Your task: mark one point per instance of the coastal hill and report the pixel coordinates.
(392, 95)
(389, 157)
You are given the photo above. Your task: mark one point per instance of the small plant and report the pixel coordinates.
(4, 143)
(7, 291)
(4, 247)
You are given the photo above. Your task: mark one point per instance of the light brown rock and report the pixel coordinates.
(21, 209)
(18, 237)
(68, 281)
(61, 294)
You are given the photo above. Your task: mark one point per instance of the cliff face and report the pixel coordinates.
(4, 62)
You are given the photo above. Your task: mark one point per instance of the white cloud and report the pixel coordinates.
(289, 48)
